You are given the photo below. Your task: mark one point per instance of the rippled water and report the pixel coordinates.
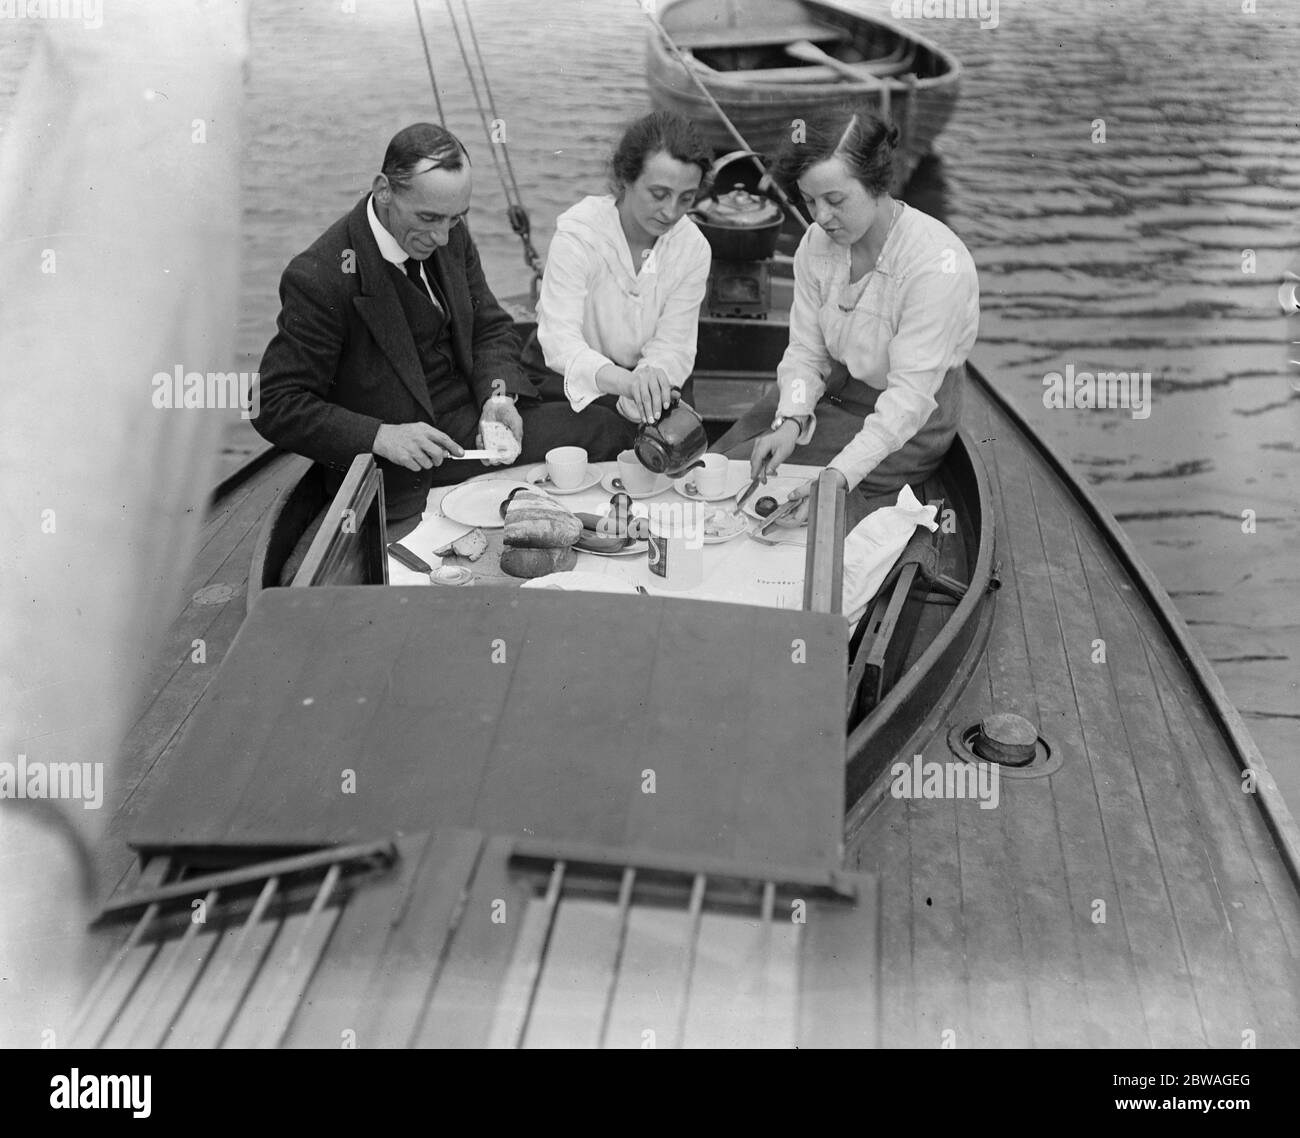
(1119, 255)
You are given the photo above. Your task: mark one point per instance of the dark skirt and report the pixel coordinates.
(840, 413)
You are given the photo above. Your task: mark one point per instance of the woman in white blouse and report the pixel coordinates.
(886, 308)
(625, 275)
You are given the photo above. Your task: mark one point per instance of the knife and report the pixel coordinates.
(752, 487)
(399, 552)
(780, 512)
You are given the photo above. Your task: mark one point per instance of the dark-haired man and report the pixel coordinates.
(390, 342)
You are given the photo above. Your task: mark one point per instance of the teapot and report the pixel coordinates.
(674, 444)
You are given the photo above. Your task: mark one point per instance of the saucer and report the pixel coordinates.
(737, 480)
(537, 476)
(614, 485)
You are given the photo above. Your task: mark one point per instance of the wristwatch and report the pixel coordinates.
(781, 420)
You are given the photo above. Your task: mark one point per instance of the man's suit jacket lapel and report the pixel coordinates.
(454, 288)
(379, 306)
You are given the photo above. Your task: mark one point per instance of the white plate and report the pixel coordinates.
(779, 488)
(662, 483)
(738, 477)
(734, 531)
(540, 480)
(626, 551)
(478, 503)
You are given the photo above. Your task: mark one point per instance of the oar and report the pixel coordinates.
(807, 52)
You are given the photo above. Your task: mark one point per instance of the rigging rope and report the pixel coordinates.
(516, 213)
(428, 62)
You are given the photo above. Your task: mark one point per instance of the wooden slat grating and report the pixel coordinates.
(571, 954)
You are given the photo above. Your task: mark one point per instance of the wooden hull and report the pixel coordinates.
(1126, 894)
(763, 110)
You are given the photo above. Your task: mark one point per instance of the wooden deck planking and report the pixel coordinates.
(1104, 830)
(990, 859)
(1215, 969)
(939, 948)
(883, 848)
(1050, 899)
(1079, 714)
(1245, 969)
(998, 994)
(414, 953)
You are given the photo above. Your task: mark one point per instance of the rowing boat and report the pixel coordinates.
(741, 51)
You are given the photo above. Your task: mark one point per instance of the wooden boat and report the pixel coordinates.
(1124, 892)
(739, 51)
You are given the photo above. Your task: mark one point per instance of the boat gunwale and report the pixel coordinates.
(975, 606)
(1277, 815)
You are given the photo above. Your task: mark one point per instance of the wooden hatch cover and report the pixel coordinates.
(644, 725)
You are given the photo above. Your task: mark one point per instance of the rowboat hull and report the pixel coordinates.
(763, 109)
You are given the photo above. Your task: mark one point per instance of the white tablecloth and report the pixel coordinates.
(740, 571)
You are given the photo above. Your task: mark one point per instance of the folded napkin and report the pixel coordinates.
(433, 532)
(577, 580)
(875, 544)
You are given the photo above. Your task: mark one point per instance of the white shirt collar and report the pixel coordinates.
(389, 249)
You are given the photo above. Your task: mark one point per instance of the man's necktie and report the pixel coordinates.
(429, 291)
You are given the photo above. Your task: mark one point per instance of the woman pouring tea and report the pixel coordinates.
(625, 274)
(885, 310)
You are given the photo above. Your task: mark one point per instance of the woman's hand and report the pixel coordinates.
(628, 409)
(803, 494)
(648, 390)
(772, 449)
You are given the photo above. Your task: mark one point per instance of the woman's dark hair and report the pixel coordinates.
(418, 143)
(860, 138)
(661, 130)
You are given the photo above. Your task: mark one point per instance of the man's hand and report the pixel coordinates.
(772, 449)
(501, 409)
(416, 446)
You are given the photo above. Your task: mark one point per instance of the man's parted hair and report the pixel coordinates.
(418, 144)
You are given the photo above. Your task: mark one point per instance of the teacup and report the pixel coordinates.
(566, 467)
(711, 479)
(636, 478)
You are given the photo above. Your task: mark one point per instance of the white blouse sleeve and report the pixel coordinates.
(801, 374)
(561, 308)
(936, 314)
(672, 346)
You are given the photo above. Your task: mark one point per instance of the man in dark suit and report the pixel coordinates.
(390, 342)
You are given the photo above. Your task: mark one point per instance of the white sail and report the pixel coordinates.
(119, 241)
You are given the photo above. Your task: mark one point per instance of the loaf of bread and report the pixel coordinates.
(534, 521)
(537, 562)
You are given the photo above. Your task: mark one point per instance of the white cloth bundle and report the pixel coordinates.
(875, 544)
